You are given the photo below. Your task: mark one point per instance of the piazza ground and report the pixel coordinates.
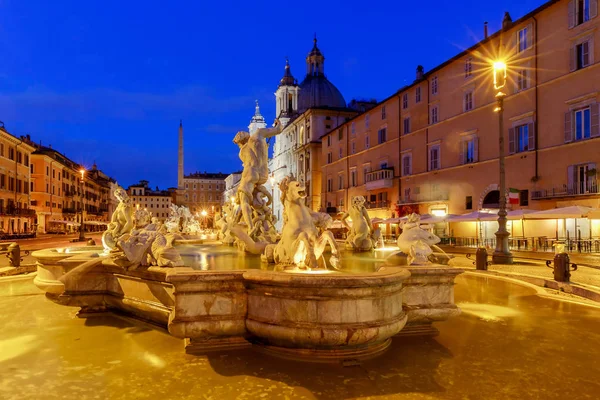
(509, 342)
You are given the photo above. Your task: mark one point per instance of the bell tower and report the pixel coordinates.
(286, 96)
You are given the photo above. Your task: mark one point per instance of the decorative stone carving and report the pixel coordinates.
(135, 238)
(121, 222)
(181, 220)
(362, 236)
(416, 242)
(251, 194)
(301, 242)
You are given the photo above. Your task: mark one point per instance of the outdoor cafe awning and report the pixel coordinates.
(561, 213)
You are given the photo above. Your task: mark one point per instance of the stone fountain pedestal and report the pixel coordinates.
(322, 316)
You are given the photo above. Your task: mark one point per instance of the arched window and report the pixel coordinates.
(491, 200)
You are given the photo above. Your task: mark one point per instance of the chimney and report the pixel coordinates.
(419, 72)
(506, 21)
(485, 30)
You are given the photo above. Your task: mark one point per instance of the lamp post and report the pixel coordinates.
(502, 254)
(203, 213)
(81, 233)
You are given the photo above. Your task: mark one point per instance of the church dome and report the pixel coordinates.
(315, 89)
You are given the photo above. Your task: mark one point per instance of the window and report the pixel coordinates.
(522, 79)
(11, 153)
(186, 185)
(329, 184)
(353, 181)
(434, 157)
(340, 134)
(582, 124)
(341, 153)
(406, 164)
(31, 168)
(329, 140)
(580, 55)
(522, 40)
(434, 85)
(366, 170)
(468, 101)
(367, 144)
(382, 135)
(329, 158)
(524, 198)
(353, 147)
(521, 138)
(581, 11)
(367, 121)
(382, 112)
(2, 149)
(434, 114)
(418, 95)
(405, 101)
(469, 150)
(406, 123)
(340, 182)
(353, 128)
(468, 67)
(469, 203)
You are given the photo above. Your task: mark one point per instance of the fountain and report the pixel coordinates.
(290, 294)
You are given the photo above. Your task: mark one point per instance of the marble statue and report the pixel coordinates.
(121, 222)
(416, 242)
(134, 238)
(253, 153)
(226, 221)
(301, 242)
(361, 236)
(182, 221)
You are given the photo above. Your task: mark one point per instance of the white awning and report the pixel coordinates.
(562, 213)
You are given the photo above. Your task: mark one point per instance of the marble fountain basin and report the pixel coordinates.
(321, 316)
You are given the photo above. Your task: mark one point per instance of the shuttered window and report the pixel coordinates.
(521, 138)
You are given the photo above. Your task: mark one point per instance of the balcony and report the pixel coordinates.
(377, 204)
(69, 211)
(17, 212)
(424, 198)
(380, 179)
(569, 190)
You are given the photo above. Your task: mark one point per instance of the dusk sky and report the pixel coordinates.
(108, 81)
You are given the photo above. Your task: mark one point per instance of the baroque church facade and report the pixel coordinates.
(307, 111)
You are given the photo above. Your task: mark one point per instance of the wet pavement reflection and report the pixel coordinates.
(509, 343)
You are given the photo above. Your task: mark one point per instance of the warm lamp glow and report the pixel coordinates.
(438, 213)
(203, 213)
(232, 198)
(272, 180)
(499, 74)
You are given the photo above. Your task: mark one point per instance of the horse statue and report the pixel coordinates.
(301, 242)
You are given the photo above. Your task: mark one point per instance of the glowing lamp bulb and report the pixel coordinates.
(499, 74)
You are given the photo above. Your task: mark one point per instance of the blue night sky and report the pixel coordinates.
(108, 81)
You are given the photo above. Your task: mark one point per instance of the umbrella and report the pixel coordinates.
(376, 220)
(479, 215)
(433, 219)
(561, 213)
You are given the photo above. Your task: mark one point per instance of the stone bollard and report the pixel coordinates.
(481, 262)
(14, 255)
(562, 267)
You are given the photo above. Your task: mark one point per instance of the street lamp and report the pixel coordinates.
(204, 213)
(81, 234)
(502, 254)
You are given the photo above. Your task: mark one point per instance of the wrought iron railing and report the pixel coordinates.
(567, 190)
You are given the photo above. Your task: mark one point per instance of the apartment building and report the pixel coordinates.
(204, 192)
(63, 191)
(15, 155)
(157, 202)
(440, 149)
